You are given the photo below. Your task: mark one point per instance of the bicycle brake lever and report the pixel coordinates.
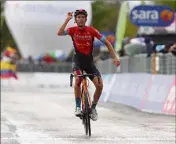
(71, 80)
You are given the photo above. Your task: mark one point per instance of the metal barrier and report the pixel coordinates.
(160, 64)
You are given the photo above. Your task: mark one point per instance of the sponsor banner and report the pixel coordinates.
(53, 80)
(169, 104)
(129, 89)
(156, 92)
(143, 91)
(38, 80)
(108, 82)
(149, 15)
(146, 92)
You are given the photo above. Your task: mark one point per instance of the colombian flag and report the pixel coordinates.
(8, 70)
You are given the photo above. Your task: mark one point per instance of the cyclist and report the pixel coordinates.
(82, 37)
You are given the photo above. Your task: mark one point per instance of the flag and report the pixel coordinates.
(8, 70)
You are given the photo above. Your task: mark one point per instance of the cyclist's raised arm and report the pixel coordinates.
(62, 30)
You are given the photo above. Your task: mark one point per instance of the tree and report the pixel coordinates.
(6, 36)
(170, 3)
(105, 15)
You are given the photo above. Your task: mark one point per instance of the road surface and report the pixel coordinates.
(48, 118)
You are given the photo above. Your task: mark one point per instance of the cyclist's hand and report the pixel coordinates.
(69, 15)
(116, 62)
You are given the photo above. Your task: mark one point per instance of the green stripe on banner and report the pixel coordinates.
(121, 25)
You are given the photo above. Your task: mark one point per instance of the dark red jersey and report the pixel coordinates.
(83, 38)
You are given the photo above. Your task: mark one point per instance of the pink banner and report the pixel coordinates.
(169, 104)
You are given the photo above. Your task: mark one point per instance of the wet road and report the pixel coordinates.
(48, 118)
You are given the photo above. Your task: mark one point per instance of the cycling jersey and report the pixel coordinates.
(83, 44)
(83, 38)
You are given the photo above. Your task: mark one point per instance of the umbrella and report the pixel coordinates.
(59, 55)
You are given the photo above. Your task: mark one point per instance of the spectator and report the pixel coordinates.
(149, 45)
(166, 49)
(125, 41)
(48, 59)
(173, 49)
(135, 46)
(30, 60)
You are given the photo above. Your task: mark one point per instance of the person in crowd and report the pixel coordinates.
(122, 51)
(166, 48)
(173, 49)
(30, 60)
(8, 63)
(138, 45)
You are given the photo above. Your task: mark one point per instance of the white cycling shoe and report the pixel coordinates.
(78, 111)
(94, 115)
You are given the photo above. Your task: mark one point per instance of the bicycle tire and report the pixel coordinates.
(87, 115)
(84, 120)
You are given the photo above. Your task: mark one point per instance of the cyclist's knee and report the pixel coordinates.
(78, 80)
(99, 86)
(98, 83)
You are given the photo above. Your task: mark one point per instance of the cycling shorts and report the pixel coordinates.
(85, 63)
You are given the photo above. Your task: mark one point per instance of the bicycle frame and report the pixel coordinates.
(86, 107)
(84, 86)
(85, 89)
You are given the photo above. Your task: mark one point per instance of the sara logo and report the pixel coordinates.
(146, 15)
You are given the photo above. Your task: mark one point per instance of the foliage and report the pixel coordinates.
(104, 18)
(170, 3)
(6, 36)
(105, 15)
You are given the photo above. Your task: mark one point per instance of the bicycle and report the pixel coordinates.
(85, 101)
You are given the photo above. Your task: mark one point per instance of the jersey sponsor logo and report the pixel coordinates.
(85, 37)
(83, 45)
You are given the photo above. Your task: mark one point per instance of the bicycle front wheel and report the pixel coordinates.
(87, 114)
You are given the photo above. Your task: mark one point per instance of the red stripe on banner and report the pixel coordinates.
(170, 101)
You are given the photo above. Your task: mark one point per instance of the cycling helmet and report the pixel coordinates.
(80, 11)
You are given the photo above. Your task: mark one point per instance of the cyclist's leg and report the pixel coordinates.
(77, 88)
(97, 80)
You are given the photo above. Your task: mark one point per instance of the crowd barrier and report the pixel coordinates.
(146, 92)
(38, 81)
(162, 64)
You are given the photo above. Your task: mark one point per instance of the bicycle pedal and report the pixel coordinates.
(79, 115)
